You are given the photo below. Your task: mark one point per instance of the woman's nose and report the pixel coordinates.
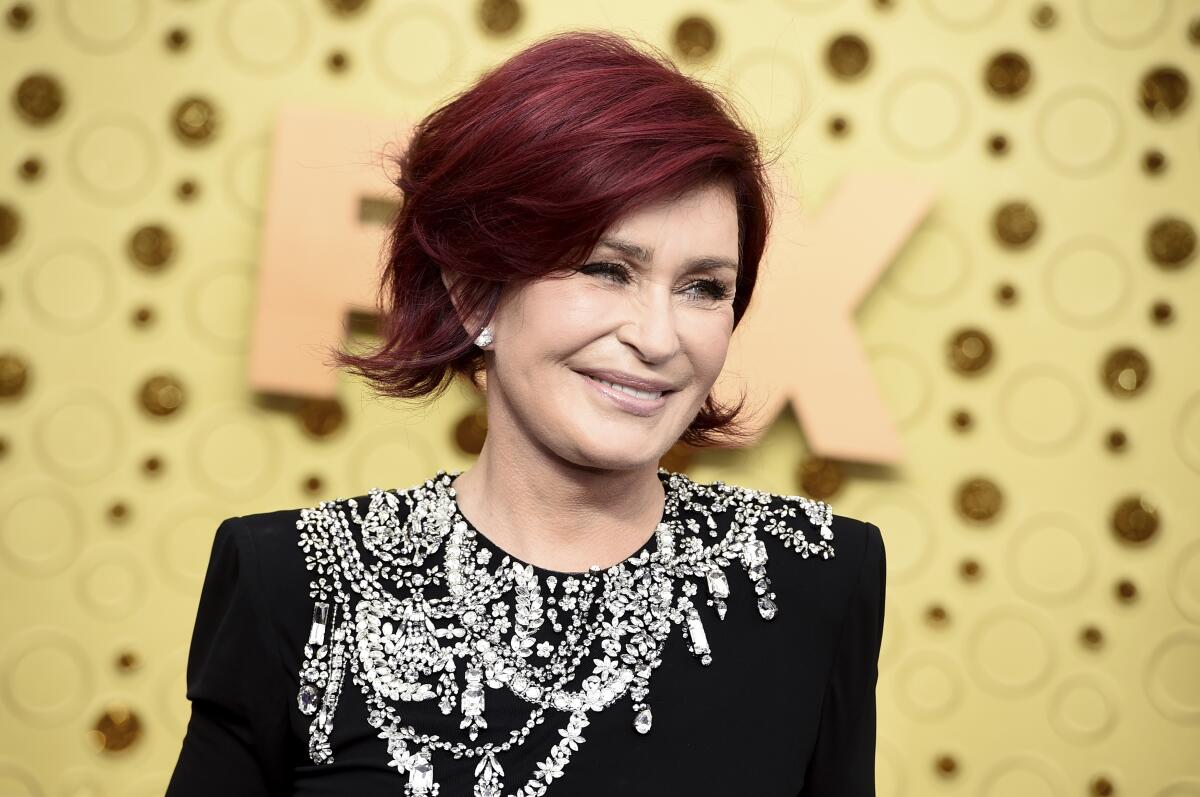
(652, 327)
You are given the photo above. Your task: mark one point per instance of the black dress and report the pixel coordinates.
(785, 708)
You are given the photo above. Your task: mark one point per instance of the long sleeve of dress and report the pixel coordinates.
(843, 762)
(234, 745)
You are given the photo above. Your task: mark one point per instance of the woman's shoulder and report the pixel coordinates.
(271, 544)
(274, 530)
(820, 558)
(809, 527)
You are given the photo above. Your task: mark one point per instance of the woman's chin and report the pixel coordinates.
(620, 449)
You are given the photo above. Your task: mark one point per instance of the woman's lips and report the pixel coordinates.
(631, 404)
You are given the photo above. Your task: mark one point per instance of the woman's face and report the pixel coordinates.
(654, 301)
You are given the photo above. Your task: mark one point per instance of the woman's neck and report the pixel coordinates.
(558, 516)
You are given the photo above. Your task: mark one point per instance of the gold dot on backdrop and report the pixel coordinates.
(151, 247)
(1015, 224)
(1164, 92)
(1008, 75)
(14, 375)
(997, 144)
(1102, 787)
(1154, 162)
(10, 225)
(1161, 313)
(1135, 520)
(1116, 440)
(1043, 16)
(970, 351)
(1126, 591)
(152, 466)
(970, 570)
(499, 16)
(143, 317)
(1091, 637)
(945, 765)
(1006, 294)
(38, 98)
(31, 169)
(128, 661)
(313, 485)
(1171, 243)
(195, 121)
(19, 16)
(118, 512)
(320, 418)
(695, 38)
(936, 616)
(839, 126)
(187, 190)
(1125, 372)
(162, 395)
(346, 8)
(961, 421)
(979, 499)
(1194, 31)
(471, 430)
(819, 477)
(337, 62)
(177, 40)
(117, 729)
(848, 57)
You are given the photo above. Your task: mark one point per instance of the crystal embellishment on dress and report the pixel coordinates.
(434, 603)
(698, 637)
(316, 634)
(472, 703)
(307, 699)
(420, 775)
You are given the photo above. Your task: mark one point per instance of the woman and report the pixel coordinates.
(582, 229)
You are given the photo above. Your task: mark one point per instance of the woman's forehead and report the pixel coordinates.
(700, 224)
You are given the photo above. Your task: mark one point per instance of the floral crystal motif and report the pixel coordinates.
(404, 626)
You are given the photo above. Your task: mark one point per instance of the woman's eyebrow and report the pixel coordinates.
(643, 255)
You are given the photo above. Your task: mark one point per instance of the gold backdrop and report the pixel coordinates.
(1035, 342)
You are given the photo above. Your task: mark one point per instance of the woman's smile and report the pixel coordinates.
(637, 402)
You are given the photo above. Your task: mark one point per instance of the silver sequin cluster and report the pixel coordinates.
(406, 627)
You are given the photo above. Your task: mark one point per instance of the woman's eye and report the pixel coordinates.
(713, 289)
(707, 289)
(608, 268)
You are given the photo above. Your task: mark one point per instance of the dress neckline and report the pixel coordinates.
(648, 547)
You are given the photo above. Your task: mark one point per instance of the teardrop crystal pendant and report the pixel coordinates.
(642, 721)
(767, 608)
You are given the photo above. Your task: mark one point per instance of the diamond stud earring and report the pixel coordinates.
(485, 338)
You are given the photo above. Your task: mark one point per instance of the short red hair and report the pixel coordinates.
(521, 174)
